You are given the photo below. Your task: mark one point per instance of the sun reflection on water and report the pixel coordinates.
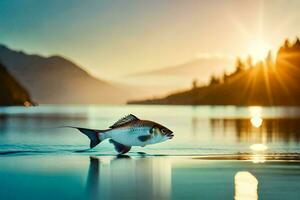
(258, 151)
(245, 186)
(256, 119)
(258, 147)
(258, 158)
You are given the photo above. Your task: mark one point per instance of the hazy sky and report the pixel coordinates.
(112, 38)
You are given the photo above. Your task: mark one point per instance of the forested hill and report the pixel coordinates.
(269, 82)
(12, 93)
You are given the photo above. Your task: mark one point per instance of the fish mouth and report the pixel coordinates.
(170, 135)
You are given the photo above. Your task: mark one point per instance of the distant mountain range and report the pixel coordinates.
(204, 66)
(12, 92)
(56, 79)
(264, 83)
(177, 77)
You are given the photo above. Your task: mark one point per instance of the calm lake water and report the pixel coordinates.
(217, 153)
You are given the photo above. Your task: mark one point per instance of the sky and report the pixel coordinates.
(111, 39)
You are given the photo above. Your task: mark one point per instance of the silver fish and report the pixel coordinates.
(127, 132)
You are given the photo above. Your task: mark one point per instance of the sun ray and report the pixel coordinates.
(281, 82)
(284, 61)
(267, 83)
(253, 84)
(249, 86)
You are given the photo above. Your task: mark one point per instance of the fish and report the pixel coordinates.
(127, 132)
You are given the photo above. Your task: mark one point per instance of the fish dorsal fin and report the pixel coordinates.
(124, 120)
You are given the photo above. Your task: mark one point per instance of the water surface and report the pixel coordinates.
(217, 153)
(198, 130)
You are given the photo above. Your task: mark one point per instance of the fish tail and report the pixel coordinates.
(96, 136)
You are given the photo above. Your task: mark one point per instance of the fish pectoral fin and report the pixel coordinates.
(144, 138)
(120, 148)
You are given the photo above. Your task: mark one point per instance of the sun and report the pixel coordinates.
(258, 50)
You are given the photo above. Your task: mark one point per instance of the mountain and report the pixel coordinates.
(180, 76)
(56, 79)
(266, 83)
(12, 93)
(204, 66)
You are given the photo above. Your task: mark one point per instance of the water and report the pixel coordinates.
(198, 130)
(216, 153)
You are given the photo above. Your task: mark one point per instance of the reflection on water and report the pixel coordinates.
(257, 129)
(258, 153)
(258, 158)
(92, 185)
(245, 186)
(50, 159)
(198, 130)
(256, 119)
(258, 147)
(124, 177)
(80, 177)
(271, 130)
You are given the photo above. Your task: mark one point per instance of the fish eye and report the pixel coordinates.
(163, 130)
